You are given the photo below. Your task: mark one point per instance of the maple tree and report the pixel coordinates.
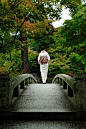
(15, 13)
(22, 16)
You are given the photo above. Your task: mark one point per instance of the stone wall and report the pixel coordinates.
(5, 91)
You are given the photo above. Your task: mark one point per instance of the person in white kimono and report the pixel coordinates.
(43, 65)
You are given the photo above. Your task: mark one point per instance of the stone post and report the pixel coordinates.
(64, 84)
(5, 91)
(16, 91)
(56, 80)
(79, 92)
(69, 91)
(22, 84)
(60, 81)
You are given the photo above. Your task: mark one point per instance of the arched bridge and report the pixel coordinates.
(24, 98)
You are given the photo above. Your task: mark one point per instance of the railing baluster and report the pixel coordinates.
(64, 84)
(16, 91)
(60, 81)
(22, 84)
(69, 91)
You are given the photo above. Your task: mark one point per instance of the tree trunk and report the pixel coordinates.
(25, 63)
(11, 60)
(24, 55)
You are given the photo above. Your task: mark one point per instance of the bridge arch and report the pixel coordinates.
(75, 87)
(11, 87)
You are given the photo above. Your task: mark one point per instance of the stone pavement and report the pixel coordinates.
(43, 102)
(43, 97)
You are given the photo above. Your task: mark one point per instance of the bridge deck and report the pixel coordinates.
(43, 98)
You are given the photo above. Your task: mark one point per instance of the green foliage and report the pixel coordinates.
(73, 33)
(66, 59)
(56, 66)
(76, 63)
(58, 62)
(74, 30)
(43, 37)
(6, 64)
(73, 5)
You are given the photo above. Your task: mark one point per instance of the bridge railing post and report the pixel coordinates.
(64, 84)
(22, 84)
(60, 81)
(79, 95)
(69, 91)
(26, 81)
(16, 91)
(6, 90)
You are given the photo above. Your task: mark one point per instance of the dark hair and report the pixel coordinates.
(42, 48)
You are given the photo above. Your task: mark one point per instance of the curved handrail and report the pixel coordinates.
(75, 88)
(17, 80)
(11, 88)
(68, 79)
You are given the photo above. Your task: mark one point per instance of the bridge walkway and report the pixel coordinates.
(43, 101)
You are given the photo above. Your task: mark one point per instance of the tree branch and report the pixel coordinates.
(11, 8)
(17, 31)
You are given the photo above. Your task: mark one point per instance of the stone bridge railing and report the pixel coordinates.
(75, 88)
(11, 87)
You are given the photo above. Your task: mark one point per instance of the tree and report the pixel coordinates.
(73, 32)
(14, 14)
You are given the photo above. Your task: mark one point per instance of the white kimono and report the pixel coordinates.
(44, 67)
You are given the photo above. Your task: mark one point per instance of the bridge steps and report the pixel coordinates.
(42, 102)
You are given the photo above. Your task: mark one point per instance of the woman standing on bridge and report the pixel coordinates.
(43, 60)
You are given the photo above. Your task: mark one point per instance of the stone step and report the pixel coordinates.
(40, 124)
(36, 114)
